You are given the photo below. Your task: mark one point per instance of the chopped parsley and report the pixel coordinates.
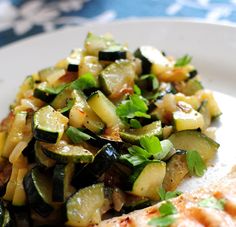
(185, 60)
(165, 195)
(149, 149)
(167, 215)
(85, 81)
(195, 163)
(212, 202)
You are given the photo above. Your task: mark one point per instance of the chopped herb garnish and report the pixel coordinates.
(167, 215)
(77, 135)
(137, 90)
(55, 90)
(185, 60)
(195, 163)
(212, 202)
(135, 106)
(165, 195)
(85, 81)
(135, 123)
(150, 148)
(151, 144)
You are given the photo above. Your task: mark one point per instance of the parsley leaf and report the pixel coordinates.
(77, 135)
(212, 202)
(167, 208)
(84, 82)
(151, 144)
(195, 163)
(150, 149)
(138, 151)
(137, 90)
(135, 123)
(135, 106)
(55, 90)
(162, 221)
(164, 195)
(134, 160)
(167, 215)
(185, 60)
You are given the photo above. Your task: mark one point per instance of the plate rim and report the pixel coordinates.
(120, 21)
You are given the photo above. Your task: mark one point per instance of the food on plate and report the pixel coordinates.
(211, 206)
(103, 132)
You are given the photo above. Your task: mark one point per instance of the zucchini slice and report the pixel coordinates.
(62, 175)
(51, 74)
(176, 170)
(117, 77)
(64, 152)
(42, 159)
(192, 86)
(150, 57)
(41, 93)
(194, 140)
(38, 189)
(7, 220)
(104, 108)
(149, 180)
(84, 207)
(204, 111)
(134, 135)
(48, 125)
(112, 54)
(103, 160)
(2, 212)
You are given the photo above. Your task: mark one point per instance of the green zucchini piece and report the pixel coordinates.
(194, 140)
(104, 108)
(62, 98)
(93, 43)
(38, 189)
(112, 54)
(117, 77)
(192, 86)
(187, 120)
(74, 60)
(137, 204)
(7, 220)
(48, 125)
(84, 207)
(134, 135)
(51, 74)
(150, 56)
(62, 176)
(103, 160)
(176, 170)
(63, 152)
(149, 180)
(42, 93)
(42, 159)
(204, 111)
(2, 212)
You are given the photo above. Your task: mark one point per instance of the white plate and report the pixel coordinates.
(213, 48)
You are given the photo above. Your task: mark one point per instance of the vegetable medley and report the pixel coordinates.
(103, 132)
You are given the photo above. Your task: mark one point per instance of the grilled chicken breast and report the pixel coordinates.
(190, 214)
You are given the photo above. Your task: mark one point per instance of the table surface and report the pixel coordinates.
(23, 18)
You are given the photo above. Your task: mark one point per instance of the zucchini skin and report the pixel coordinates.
(44, 136)
(103, 160)
(111, 55)
(146, 64)
(58, 183)
(29, 151)
(34, 198)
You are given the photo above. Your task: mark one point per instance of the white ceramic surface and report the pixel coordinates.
(213, 48)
